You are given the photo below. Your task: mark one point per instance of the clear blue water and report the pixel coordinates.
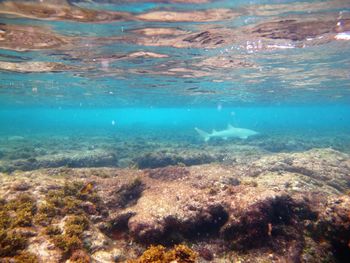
(226, 124)
(287, 86)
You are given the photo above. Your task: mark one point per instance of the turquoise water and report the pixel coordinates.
(282, 80)
(218, 124)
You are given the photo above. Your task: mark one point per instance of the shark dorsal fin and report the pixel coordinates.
(229, 126)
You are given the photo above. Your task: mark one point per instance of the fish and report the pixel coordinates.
(230, 132)
(87, 189)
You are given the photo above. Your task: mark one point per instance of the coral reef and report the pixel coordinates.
(282, 206)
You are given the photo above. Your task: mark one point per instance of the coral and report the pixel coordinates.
(158, 254)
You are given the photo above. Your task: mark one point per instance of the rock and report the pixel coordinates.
(21, 186)
(127, 194)
(182, 212)
(161, 159)
(256, 218)
(93, 158)
(104, 256)
(168, 173)
(334, 225)
(95, 240)
(41, 247)
(285, 207)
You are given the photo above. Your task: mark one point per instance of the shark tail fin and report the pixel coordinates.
(205, 135)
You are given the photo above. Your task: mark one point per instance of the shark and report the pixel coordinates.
(230, 132)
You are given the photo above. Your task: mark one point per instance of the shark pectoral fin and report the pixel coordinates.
(214, 131)
(225, 138)
(229, 126)
(243, 137)
(203, 134)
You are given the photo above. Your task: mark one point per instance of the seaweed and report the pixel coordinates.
(80, 256)
(15, 213)
(26, 257)
(159, 254)
(5, 220)
(22, 211)
(53, 231)
(10, 243)
(70, 240)
(67, 243)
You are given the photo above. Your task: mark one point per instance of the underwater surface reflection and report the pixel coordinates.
(174, 131)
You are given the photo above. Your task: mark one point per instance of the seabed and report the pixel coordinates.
(99, 158)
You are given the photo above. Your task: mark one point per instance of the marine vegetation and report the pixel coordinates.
(16, 213)
(67, 202)
(64, 204)
(158, 254)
